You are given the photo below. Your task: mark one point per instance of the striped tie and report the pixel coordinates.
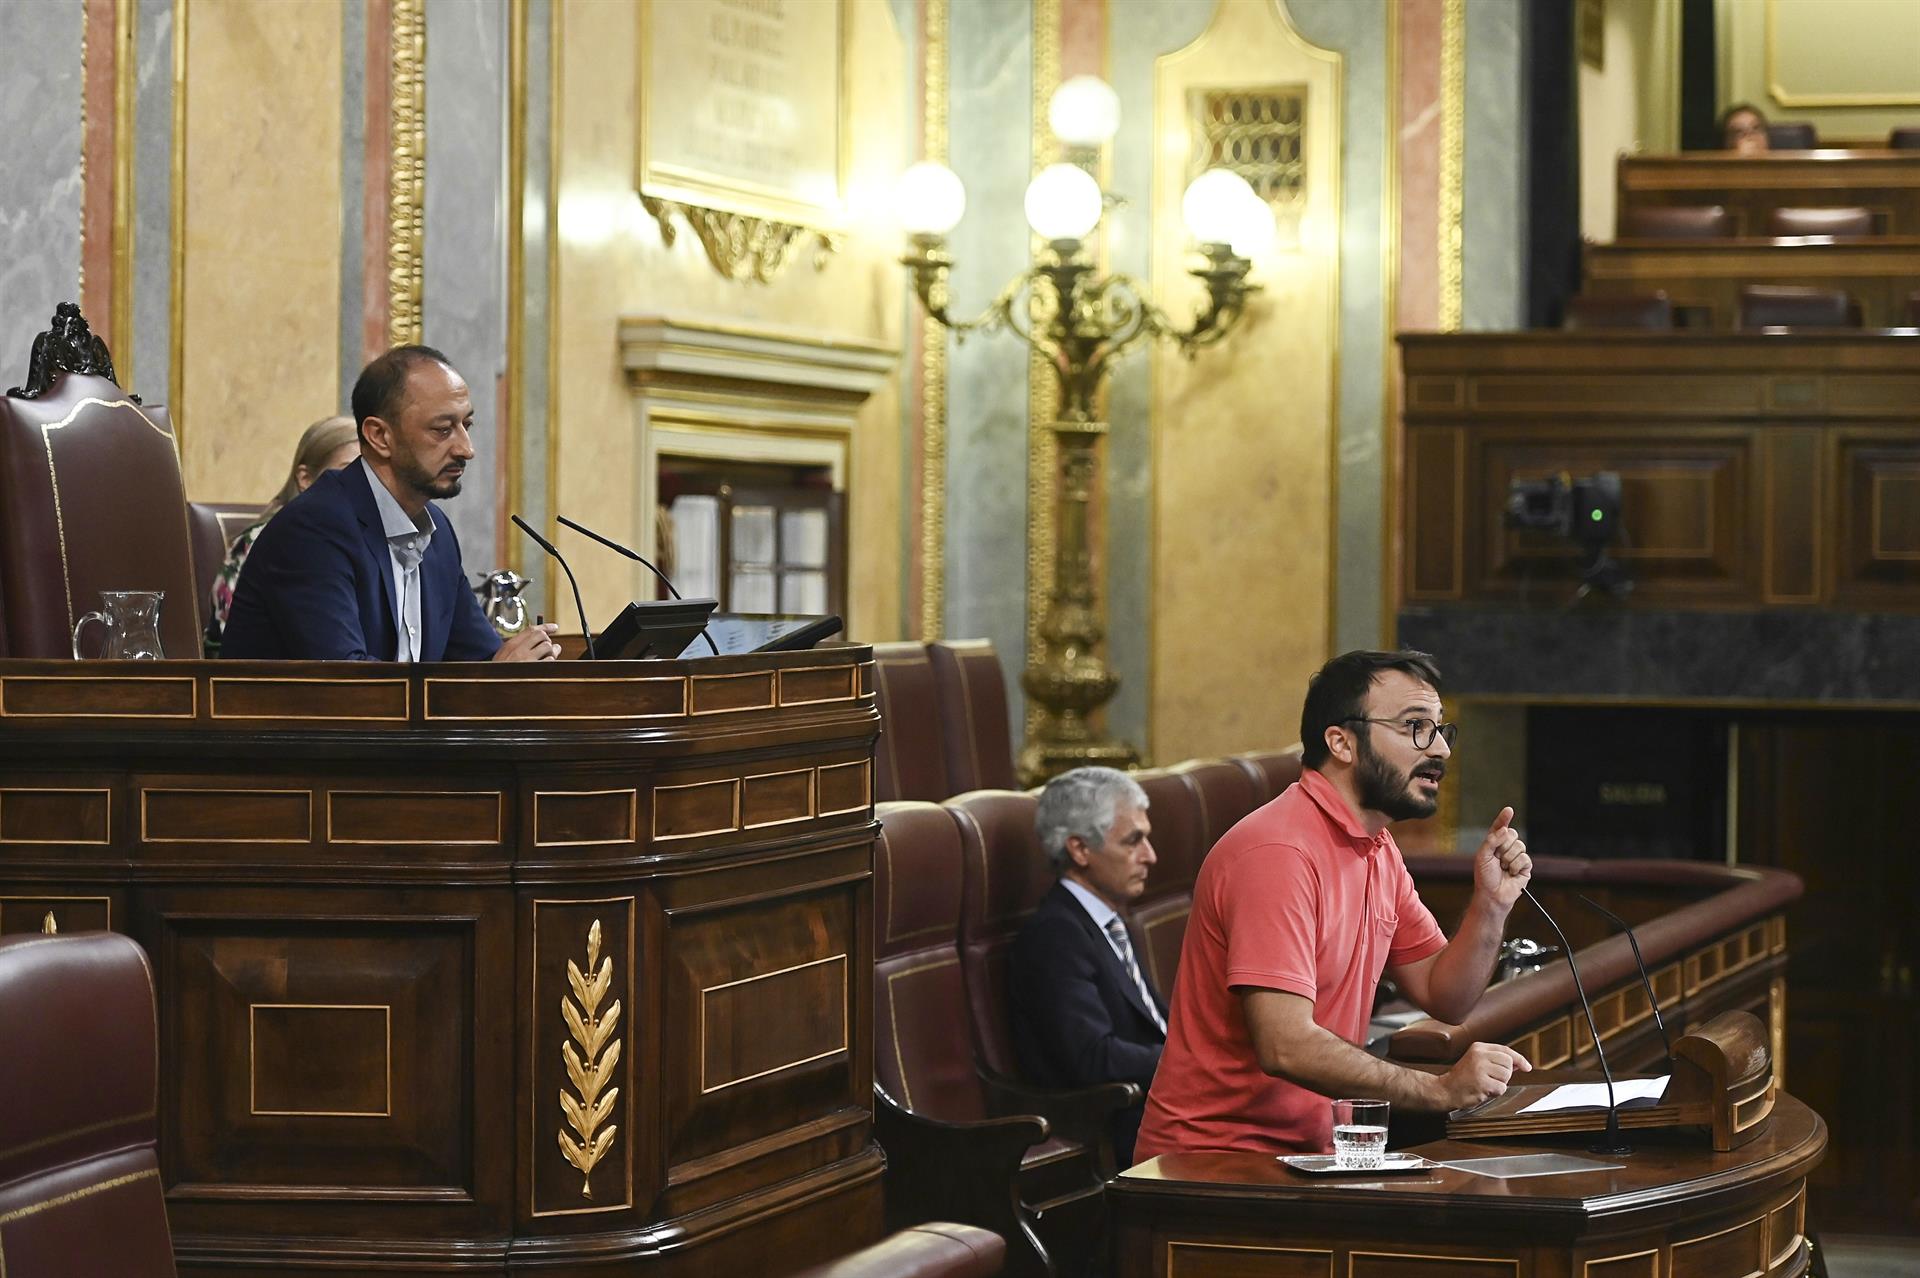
(1123, 946)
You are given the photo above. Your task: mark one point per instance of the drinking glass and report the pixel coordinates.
(1359, 1134)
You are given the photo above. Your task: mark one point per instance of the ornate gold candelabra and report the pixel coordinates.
(1080, 322)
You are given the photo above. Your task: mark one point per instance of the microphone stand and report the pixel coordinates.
(1646, 981)
(585, 630)
(1610, 1141)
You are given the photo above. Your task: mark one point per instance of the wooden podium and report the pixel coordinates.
(1722, 1081)
(464, 969)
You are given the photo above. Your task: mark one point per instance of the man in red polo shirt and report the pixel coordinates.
(1299, 909)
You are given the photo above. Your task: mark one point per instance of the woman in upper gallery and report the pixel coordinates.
(328, 444)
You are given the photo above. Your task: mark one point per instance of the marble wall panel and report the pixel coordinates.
(145, 368)
(463, 290)
(991, 76)
(40, 102)
(259, 339)
(1494, 223)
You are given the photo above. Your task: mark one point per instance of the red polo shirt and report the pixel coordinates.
(1296, 897)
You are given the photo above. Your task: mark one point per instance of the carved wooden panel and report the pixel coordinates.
(56, 815)
(1878, 505)
(286, 1074)
(1246, 1260)
(583, 1057)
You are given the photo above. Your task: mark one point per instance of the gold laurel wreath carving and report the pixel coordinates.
(741, 247)
(590, 1067)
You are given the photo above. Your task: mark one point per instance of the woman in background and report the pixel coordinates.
(326, 445)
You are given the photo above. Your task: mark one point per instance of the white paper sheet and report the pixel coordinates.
(1594, 1095)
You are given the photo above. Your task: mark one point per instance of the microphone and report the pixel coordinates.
(547, 546)
(1645, 980)
(1609, 1142)
(634, 555)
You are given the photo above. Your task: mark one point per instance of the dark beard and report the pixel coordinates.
(1383, 790)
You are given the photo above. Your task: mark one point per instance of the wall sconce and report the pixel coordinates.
(1080, 321)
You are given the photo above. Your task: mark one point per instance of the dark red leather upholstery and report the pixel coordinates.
(80, 1189)
(973, 715)
(1003, 876)
(1179, 845)
(922, 1048)
(90, 500)
(937, 1249)
(1792, 135)
(910, 760)
(1820, 221)
(1791, 306)
(1642, 311)
(1676, 222)
(214, 525)
(1276, 769)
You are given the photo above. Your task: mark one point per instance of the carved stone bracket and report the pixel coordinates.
(742, 247)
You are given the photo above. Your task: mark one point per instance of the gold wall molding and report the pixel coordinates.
(1043, 392)
(740, 247)
(590, 1054)
(1453, 118)
(407, 169)
(933, 354)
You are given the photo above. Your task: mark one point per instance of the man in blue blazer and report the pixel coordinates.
(1084, 1010)
(363, 566)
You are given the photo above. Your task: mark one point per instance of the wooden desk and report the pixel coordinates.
(1752, 186)
(1705, 276)
(417, 929)
(1759, 470)
(1675, 1209)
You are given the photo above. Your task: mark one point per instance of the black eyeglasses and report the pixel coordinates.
(1422, 731)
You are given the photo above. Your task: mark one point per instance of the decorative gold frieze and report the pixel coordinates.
(742, 247)
(590, 1057)
(407, 170)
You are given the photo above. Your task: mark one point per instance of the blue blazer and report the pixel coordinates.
(318, 584)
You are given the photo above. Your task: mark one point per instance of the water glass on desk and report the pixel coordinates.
(1359, 1134)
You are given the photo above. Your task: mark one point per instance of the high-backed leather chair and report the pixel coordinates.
(1275, 769)
(1904, 138)
(1792, 306)
(1820, 221)
(973, 715)
(1792, 135)
(1003, 876)
(1676, 222)
(910, 759)
(961, 1143)
(1179, 845)
(937, 1249)
(80, 1188)
(1640, 311)
(90, 499)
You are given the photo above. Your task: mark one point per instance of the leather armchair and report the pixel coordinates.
(1642, 311)
(933, 1250)
(1791, 306)
(80, 1189)
(973, 716)
(1820, 221)
(910, 760)
(1676, 222)
(90, 500)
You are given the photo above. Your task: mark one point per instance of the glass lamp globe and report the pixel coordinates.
(1256, 231)
(929, 199)
(1215, 206)
(1063, 203)
(1084, 112)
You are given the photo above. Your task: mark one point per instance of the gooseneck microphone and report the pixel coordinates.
(1609, 1142)
(547, 546)
(634, 555)
(1645, 980)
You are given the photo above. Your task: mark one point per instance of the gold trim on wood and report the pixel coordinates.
(407, 170)
(253, 1103)
(590, 1067)
(58, 789)
(1453, 119)
(845, 1022)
